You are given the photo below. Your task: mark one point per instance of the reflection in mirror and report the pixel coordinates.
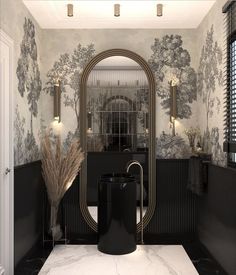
(117, 123)
(117, 105)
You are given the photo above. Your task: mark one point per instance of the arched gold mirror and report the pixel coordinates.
(117, 124)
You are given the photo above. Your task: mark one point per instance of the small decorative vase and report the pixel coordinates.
(55, 228)
(192, 143)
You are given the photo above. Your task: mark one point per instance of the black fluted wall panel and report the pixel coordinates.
(175, 213)
(77, 228)
(217, 217)
(28, 205)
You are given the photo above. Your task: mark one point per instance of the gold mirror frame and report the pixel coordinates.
(152, 134)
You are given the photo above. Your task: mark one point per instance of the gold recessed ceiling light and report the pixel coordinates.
(117, 10)
(159, 10)
(70, 9)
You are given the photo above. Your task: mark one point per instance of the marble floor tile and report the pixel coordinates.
(146, 260)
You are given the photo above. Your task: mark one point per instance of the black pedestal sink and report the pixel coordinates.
(117, 214)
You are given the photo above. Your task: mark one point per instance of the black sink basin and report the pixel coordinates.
(117, 214)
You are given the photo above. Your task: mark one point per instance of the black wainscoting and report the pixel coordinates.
(175, 215)
(76, 227)
(217, 217)
(28, 203)
(173, 221)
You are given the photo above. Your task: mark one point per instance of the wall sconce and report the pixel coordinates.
(159, 10)
(117, 10)
(57, 102)
(89, 121)
(146, 122)
(70, 10)
(173, 105)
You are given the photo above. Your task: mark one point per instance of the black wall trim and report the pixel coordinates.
(175, 214)
(25, 165)
(217, 217)
(178, 216)
(28, 200)
(173, 221)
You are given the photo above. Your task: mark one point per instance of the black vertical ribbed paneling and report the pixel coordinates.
(175, 212)
(75, 225)
(217, 217)
(175, 205)
(28, 204)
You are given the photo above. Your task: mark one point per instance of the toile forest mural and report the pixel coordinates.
(29, 87)
(209, 75)
(68, 70)
(169, 60)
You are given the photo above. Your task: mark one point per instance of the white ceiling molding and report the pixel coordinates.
(134, 14)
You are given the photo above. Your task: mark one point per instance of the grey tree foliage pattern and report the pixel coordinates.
(28, 74)
(32, 152)
(170, 60)
(19, 128)
(29, 86)
(25, 148)
(209, 74)
(68, 70)
(70, 136)
(169, 146)
(218, 155)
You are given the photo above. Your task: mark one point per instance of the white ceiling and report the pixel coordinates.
(134, 14)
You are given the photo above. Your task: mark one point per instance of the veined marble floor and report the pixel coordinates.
(146, 260)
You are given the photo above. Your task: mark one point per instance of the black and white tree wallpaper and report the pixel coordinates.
(68, 70)
(19, 127)
(170, 61)
(171, 147)
(210, 77)
(29, 87)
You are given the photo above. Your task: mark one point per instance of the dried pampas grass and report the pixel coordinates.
(59, 171)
